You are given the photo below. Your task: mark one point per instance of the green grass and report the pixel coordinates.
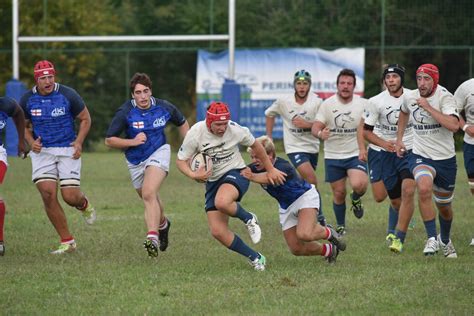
(111, 274)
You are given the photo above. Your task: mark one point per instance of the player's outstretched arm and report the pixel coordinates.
(274, 175)
(260, 178)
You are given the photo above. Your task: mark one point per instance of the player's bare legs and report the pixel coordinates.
(219, 227)
(358, 181)
(339, 191)
(307, 172)
(73, 196)
(152, 181)
(226, 198)
(407, 204)
(378, 191)
(299, 247)
(48, 192)
(307, 229)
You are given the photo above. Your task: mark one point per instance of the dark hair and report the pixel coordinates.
(346, 72)
(140, 78)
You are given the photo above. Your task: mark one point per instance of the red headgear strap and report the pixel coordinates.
(217, 111)
(44, 68)
(432, 71)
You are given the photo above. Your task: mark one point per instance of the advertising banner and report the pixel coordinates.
(267, 74)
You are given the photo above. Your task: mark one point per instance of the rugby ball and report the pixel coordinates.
(201, 159)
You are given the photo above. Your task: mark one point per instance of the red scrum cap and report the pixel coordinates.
(43, 68)
(217, 111)
(432, 71)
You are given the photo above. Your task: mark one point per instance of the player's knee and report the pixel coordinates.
(148, 195)
(303, 235)
(221, 204)
(218, 233)
(339, 195)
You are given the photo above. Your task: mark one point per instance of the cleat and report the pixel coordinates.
(2, 248)
(341, 230)
(163, 236)
(331, 259)
(259, 263)
(337, 240)
(89, 214)
(64, 248)
(411, 225)
(357, 208)
(254, 229)
(472, 242)
(448, 249)
(390, 237)
(431, 247)
(151, 247)
(396, 245)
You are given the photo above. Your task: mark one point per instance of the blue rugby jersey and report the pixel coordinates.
(133, 120)
(52, 115)
(291, 189)
(7, 108)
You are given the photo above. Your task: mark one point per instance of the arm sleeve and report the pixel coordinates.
(460, 97)
(24, 106)
(9, 106)
(190, 145)
(177, 118)
(118, 124)
(370, 114)
(77, 103)
(273, 110)
(448, 104)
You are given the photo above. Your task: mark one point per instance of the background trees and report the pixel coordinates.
(409, 33)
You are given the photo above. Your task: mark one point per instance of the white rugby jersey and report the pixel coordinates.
(297, 139)
(223, 150)
(430, 139)
(464, 96)
(383, 110)
(342, 121)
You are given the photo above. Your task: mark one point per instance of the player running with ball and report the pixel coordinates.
(219, 137)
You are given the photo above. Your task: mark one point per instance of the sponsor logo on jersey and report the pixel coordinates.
(138, 125)
(3, 123)
(159, 122)
(35, 112)
(58, 112)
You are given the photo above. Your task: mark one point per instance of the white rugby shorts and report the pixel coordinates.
(160, 158)
(289, 217)
(55, 162)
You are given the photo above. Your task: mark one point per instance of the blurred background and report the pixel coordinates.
(391, 31)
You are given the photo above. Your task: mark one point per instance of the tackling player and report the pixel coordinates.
(9, 108)
(143, 120)
(219, 137)
(344, 148)
(299, 203)
(433, 112)
(51, 109)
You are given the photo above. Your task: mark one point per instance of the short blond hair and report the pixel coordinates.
(267, 143)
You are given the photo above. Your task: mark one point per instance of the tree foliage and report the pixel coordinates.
(100, 71)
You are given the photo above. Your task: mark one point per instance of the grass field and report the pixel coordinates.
(111, 274)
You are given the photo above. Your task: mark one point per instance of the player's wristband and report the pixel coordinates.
(465, 127)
